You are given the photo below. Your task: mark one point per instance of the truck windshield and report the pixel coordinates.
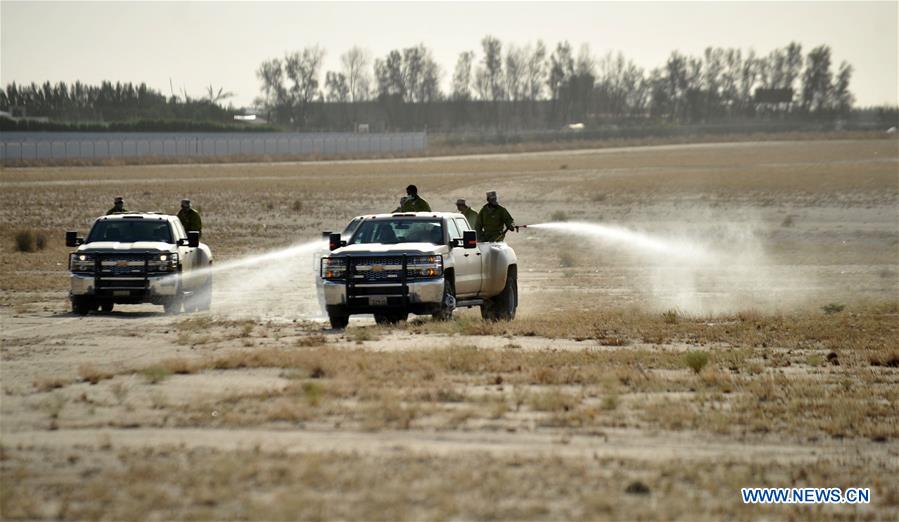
(129, 231)
(394, 231)
(351, 227)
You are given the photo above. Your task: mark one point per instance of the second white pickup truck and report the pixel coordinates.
(421, 263)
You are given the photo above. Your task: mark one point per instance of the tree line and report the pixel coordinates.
(533, 86)
(497, 86)
(111, 102)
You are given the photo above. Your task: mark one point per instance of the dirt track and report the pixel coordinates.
(592, 370)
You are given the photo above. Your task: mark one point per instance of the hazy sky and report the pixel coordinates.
(223, 43)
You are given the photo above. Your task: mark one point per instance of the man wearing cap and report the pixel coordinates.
(468, 212)
(413, 203)
(493, 220)
(118, 205)
(190, 218)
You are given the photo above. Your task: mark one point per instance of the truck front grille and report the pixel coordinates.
(377, 269)
(123, 264)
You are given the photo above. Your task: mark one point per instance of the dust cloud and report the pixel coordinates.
(277, 285)
(719, 268)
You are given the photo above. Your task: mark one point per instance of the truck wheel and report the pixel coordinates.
(488, 312)
(447, 303)
(81, 305)
(107, 306)
(505, 304)
(338, 321)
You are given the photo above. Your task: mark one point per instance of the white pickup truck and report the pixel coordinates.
(139, 258)
(422, 263)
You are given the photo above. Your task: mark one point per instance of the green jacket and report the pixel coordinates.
(190, 220)
(472, 217)
(414, 205)
(113, 210)
(493, 223)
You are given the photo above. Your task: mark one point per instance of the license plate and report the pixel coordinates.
(377, 300)
(121, 293)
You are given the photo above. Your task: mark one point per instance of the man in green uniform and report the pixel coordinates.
(493, 220)
(413, 203)
(468, 212)
(117, 206)
(190, 218)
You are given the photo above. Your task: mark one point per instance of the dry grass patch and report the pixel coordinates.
(210, 484)
(93, 374)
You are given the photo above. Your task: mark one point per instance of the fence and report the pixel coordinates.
(26, 146)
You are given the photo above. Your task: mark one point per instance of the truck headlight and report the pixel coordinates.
(165, 262)
(333, 268)
(79, 262)
(424, 267)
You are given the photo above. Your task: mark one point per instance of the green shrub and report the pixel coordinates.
(696, 360)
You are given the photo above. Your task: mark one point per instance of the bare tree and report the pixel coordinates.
(271, 74)
(303, 68)
(516, 82)
(561, 69)
(493, 67)
(389, 74)
(585, 64)
(337, 88)
(842, 97)
(535, 71)
(793, 65)
(429, 87)
(816, 81)
(355, 69)
(462, 76)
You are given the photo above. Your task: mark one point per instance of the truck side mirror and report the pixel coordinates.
(334, 241)
(193, 239)
(470, 239)
(72, 239)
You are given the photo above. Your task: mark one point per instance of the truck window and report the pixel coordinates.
(394, 231)
(130, 231)
(179, 230)
(463, 225)
(453, 229)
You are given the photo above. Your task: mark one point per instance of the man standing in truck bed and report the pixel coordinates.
(493, 220)
(190, 218)
(468, 212)
(413, 203)
(118, 205)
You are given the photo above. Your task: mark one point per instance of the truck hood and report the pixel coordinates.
(401, 248)
(138, 246)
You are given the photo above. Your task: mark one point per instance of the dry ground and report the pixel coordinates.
(585, 407)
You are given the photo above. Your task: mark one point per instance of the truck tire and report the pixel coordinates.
(447, 302)
(107, 306)
(338, 321)
(503, 306)
(81, 305)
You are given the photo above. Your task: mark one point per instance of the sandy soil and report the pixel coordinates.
(593, 369)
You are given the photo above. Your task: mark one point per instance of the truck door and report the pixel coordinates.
(467, 261)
